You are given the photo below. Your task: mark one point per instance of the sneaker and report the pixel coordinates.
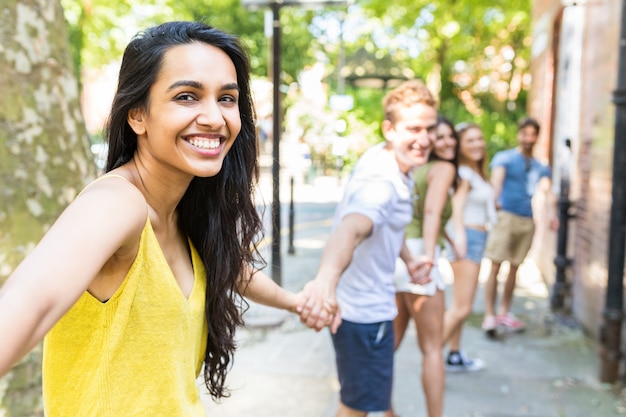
(510, 322)
(459, 362)
(489, 326)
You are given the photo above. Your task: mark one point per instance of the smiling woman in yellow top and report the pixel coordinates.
(138, 283)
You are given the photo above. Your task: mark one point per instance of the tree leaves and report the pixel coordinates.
(475, 54)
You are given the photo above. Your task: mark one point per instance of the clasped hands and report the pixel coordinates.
(419, 268)
(318, 306)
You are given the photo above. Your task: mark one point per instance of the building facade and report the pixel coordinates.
(574, 66)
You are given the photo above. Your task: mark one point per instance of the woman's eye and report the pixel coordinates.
(185, 97)
(229, 99)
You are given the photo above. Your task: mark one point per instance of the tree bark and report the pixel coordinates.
(44, 154)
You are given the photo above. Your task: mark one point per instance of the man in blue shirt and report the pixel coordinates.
(515, 176)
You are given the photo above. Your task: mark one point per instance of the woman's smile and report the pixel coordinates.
(203, 142)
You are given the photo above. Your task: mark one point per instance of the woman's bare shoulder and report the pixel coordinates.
(112, 200)
(114, 190)
(442, 168)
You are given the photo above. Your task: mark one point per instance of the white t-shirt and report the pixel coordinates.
(480, 208)
(379, 190)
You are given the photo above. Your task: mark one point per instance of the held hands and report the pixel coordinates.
(419, 269)
(318, 307)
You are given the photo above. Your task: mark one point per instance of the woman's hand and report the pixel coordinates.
(319, 307)
(419, 269)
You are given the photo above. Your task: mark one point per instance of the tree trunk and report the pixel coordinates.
(44, 154)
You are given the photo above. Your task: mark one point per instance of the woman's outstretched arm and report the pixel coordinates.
(65, 263)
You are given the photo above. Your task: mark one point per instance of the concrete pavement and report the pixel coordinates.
(283, 369)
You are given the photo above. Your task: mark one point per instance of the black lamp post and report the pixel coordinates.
(275, 6)
(611, 330)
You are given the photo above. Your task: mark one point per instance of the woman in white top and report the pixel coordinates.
(474, 206)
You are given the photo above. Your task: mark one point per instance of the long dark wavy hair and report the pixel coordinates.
(454, 161)
(217, 213)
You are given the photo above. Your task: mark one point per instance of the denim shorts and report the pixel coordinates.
(476, 241)
(364, 355)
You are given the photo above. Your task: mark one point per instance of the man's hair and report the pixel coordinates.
(528, 121)
(405, 95)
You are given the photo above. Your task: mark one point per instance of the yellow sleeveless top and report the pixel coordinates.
(139, 354)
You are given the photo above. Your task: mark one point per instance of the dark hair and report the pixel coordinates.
(528, 121)
(454, 161)
(461, 129)
(217, 213)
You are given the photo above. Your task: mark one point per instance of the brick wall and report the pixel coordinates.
(540, 106)
(592, 173)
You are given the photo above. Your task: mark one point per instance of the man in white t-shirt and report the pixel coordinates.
(357, 267)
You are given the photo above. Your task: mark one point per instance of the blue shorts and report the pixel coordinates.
(476, 241)
(364, 355)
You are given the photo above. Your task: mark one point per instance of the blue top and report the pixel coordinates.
(520, 180)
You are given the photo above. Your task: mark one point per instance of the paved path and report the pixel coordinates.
(283, 369)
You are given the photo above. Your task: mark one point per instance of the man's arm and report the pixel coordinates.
(545, 187)
(321, 302)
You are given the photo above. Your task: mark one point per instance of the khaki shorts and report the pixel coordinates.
(510, 238)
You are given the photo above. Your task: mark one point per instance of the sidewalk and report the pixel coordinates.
(283, 369)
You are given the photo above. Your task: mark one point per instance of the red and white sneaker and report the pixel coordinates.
(510, 322)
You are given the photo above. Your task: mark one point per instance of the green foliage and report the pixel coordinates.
(368, 109)
(230, 16)
(100, 29)
(474, 54)
(299, 47)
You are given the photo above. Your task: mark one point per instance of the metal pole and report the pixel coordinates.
(291, 249)
(276, 262)
(610, 349)
(560, 288)
(341, 82)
